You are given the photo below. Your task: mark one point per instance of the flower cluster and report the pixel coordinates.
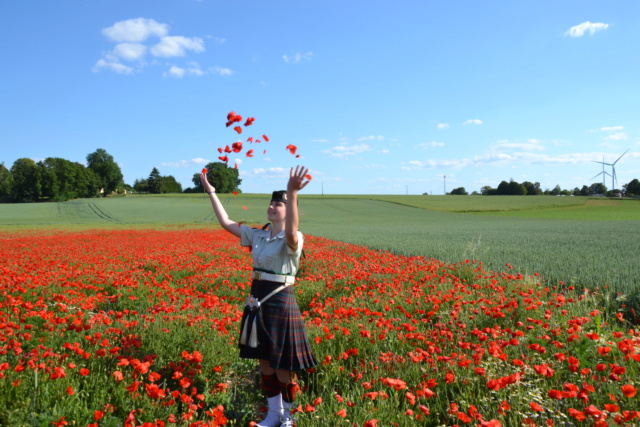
(140, 327)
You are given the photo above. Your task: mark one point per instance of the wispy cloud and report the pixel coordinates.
(611, 128)
(186, 163)
(618, 136)
(297, 58)
(432, 144)
(586, 27)
(347, 150)
(472, 122)
(443, 125)
(530, 145)
(141, 37)
(371, 138)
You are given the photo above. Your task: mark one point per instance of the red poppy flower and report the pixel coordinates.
(238, 129)
(629, 390)
(84, 372)
(250, 153)
(235, 193)
(236, 147)
(204, 170)
(536, 407)
(292, 148)
(70, 391)
(244, 207)
(342, 413)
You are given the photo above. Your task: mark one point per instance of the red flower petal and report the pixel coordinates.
(265, 137)
(308, 177)
(238, 129)
(204, 170)
(249, 121)
(250, 153)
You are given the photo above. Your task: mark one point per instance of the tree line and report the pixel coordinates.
(526, 188)
(57, 179)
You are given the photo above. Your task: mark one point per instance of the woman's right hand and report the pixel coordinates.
(208, 188)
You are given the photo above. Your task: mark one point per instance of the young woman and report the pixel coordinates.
(272, 328)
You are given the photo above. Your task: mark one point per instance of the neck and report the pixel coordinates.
(276, 227)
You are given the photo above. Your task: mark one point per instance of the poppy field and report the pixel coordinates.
(139, 327)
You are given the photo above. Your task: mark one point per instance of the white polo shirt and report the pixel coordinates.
(271, 254)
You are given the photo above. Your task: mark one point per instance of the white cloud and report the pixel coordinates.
(135, 30)
(129, 51)
(618, 136)
(581, 29)
(611, 128)
(530, 145)
(297, 57)
(175, 71)
(131, 34)
(322, 141)
(432, 144)
(384, 151)
(199, 161)
(170, 46)
(221, 71)
(443, 125)
(345, 150)
(473, 122)
(371, 138)
(113, 66)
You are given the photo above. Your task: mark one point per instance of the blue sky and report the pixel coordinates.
(380, 97)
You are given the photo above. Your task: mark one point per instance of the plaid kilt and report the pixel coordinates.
(281, 334)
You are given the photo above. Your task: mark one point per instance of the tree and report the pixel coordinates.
(154, 182)
(556, 191)
(584, 191)
(633, 187)
(170, 185)
(223, 178)
(141, 185)
(26, 182)
(107, 170)
(488, 191)
(533, 188)
(6, 181)
(63, 180)
(597, 188)
(460, 191)
(516, 189)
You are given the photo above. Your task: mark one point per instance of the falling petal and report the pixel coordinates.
(308, 177)
(249, 121)
(250, 139)
(264, 152)
(224, 159)
(227, 149)
(250, 153)
(220, 150)
(204, 170)
(238, 129)
(236, 147)
(265, 137)
(292, 148)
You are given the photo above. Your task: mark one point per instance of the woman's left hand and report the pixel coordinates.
(297, 178)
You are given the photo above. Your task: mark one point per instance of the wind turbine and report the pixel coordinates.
(603, 173)
(613, 176)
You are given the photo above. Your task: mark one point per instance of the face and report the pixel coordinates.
(277, 211)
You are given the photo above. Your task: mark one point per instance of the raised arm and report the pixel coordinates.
(229, 225)
(296, 183)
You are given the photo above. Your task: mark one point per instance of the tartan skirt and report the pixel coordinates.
(282, 338)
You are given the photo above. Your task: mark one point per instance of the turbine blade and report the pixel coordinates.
(621, 156)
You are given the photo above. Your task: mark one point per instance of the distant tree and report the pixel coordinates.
(223, 178)
(633, 187)
(155, 182)
(475, 193)
(26, 182)
(533, 188)
(556, 191)
(63, 180)
(503, 188)
(597, 188)
(107, 170)
(141, 185)
(584, 191)
(460, 191)
(516, 189)
(6, 181)
(488, 191)
(170, 185)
